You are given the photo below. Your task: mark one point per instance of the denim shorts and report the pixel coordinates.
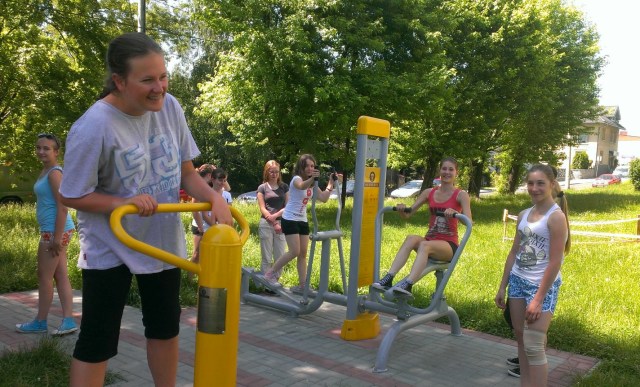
(522, 288)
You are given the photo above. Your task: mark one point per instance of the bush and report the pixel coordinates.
(581, 161)
(634, 173)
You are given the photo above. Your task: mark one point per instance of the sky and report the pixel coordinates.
(619, 28)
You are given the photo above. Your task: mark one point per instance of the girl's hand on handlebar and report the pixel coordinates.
(147, 204)
(450, 212)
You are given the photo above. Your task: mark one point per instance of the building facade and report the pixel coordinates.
(600, 142)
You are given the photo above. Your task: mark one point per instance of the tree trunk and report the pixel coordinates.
(514, 176)
(475, 179)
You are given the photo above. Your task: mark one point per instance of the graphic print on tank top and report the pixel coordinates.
(531, 248)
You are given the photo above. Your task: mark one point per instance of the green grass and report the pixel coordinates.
(46, 364)
(598, 312)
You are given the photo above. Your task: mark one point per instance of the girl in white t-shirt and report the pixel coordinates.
(294, 219)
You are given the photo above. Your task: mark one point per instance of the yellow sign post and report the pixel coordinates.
(371, 157)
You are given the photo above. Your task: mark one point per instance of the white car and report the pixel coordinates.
(407, 190)
(622, 171)
(248, 197)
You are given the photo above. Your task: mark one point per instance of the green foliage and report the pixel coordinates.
(51, 69)
(634, 173)
(581, 161)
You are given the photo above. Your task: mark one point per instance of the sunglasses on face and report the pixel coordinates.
(50, 136)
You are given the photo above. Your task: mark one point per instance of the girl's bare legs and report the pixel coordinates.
(538, 374)
(302, 259)
(85, 374)
(293, 246)
(63, 285)
(162, 356)
(530, 375)
(410, 243)
(47, 265)
(439, 250)
(516, 309)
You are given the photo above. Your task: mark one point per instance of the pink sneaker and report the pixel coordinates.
(271, 279)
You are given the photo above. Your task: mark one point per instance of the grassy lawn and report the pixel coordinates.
(598, 313)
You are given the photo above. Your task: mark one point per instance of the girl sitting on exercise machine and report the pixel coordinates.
(441, 240)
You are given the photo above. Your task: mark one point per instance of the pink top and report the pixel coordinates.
(440, 227)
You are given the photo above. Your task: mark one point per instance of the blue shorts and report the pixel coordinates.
(522, 288)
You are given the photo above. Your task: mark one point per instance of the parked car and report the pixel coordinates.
(436, 182)
(16, 188)
(407, 190)
(606, 180)
(248, 197)
(622, 171)
(351, 184)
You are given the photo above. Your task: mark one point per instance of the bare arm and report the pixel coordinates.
(420, 201)
(501, 298)
(105, 204)
(55, 177)
(199, 189)
(323, 196)
(465, 203)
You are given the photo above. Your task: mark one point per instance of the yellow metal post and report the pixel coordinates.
(218, 308)
(218, 291)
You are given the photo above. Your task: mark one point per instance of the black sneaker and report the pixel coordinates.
(384, 283)
(515, 372)
(403, 287)
(514, 362)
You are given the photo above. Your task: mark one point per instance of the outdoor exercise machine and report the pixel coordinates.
(409, 316)
(366, 241)
(218, 289)
(309, 301)
(362, 319)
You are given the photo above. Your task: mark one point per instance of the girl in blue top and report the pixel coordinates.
(56, 229)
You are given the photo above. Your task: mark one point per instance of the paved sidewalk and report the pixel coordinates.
(277, 350)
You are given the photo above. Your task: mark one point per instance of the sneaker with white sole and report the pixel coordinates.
(68, 326)
(35, 326)
(271, 278)
(299, 289)
(384, 283)
(403, 287)
(514, 361)
(515, 372)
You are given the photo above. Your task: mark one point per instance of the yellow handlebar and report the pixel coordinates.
(172, 259)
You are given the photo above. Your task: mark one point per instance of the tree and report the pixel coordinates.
(297, 75)
(581, 161)
(51, 68)
(634, 173)
(525, 78)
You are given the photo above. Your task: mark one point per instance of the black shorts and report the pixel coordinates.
(454, 248)
(104, 293)
(195, 230)
(291, 227)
